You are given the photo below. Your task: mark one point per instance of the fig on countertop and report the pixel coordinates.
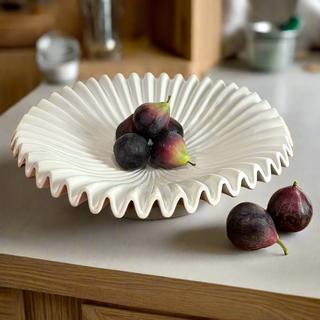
(250, 227)
(290, 209)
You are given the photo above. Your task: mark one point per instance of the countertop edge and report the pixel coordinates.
(150, 292)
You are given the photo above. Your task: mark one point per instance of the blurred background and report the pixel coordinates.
(62, 41)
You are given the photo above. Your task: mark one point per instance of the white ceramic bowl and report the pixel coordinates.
(235, 139)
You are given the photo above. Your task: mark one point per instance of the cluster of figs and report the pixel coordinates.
(150, 134)
(251, 227)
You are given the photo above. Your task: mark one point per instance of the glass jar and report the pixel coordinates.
(101, 28)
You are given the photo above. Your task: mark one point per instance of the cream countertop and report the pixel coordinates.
(194, 247)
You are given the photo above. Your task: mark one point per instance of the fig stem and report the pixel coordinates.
(295, 185)
(193, 164)
(169, 97)
(283, 247)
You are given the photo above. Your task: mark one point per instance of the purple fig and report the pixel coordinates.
(175, 126)
(169, 151)
(126, 126)
(290, 209)
(250, 227)
(131, 151)
(150, 119)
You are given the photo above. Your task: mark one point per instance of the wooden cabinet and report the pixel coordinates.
(45, 306)
(28, 305)
(47, 290)
(92, 312)
(11, 304)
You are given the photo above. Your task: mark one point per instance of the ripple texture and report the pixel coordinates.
(234, 137)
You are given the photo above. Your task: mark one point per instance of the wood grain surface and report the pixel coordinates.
(91, 312)
(191, 29)
(171, 26)
(11, 304)
(136, 19)
(206, 33)
(43, 306)
(179, 297)
(21, 29)
(140, 57)
(19, 75)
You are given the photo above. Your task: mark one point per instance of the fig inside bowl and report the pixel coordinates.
(66, 143)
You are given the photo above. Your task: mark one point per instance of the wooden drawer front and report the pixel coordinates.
(11, 304)
(90, 312)
(45, 306)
